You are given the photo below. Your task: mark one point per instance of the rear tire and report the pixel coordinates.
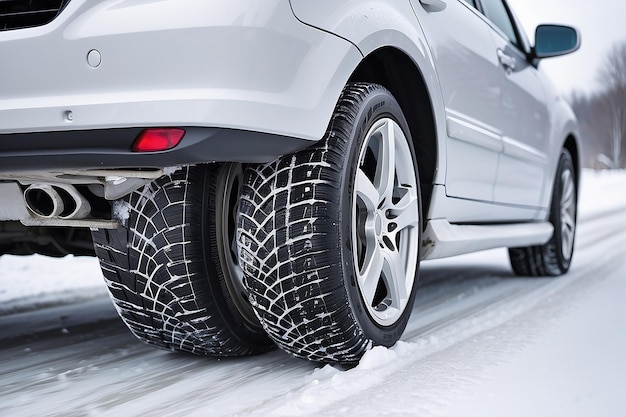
(329, 236)
(170, 271)
(553, 258)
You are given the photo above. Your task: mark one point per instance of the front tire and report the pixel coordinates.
(553, 258)
(170, 269)
(329, 236)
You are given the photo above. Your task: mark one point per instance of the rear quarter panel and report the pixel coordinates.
(372, 25)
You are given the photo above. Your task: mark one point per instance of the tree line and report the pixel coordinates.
(602, 114)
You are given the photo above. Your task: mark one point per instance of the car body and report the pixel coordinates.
(251, 83)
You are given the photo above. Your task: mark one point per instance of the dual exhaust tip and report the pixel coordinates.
(58, 201)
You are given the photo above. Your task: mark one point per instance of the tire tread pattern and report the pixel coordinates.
(155, 270)
(288, 220)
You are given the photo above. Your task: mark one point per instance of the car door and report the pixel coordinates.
(523, 115)
(469, 75)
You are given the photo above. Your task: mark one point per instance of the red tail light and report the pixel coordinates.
(155, 140)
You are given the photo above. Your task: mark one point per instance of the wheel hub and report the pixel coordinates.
(378, 224)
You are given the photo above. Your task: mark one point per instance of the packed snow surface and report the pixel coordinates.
(480, 342)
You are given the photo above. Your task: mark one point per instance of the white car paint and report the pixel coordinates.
(249, 66)
(278, 67)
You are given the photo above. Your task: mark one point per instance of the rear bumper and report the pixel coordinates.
(224, 70)
(111, 149)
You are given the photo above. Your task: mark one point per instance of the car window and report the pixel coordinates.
(496, 11)
(470, 2)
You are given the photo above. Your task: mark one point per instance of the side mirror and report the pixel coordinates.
(555, 40)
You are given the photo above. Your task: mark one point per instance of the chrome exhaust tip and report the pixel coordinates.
(58, 201)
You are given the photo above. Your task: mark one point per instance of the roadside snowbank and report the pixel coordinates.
(31, 282)
(601, 191)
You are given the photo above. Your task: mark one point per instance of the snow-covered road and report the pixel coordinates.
(481, 342)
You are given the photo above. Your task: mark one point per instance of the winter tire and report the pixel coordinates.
(553, 258)
(329, 236)
(171, 270)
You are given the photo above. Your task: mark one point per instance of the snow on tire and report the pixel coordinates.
(329, 236)
(553, 258)
(165, 267)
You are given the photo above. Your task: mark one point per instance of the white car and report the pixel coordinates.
(254, 174)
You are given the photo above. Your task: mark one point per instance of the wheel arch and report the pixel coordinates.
(396, 71)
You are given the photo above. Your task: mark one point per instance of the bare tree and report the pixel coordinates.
(612, 75)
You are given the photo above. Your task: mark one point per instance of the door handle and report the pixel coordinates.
(507, 61)
(434, 5)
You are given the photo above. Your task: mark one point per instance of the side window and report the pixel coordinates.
(496, 11)
(471, 3)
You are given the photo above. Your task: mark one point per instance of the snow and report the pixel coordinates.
(601, 192)
(121, 211)
(576, 370)
(481, 342)
(37, 281)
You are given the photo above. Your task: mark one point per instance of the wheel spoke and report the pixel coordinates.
(366, 191)
(369, 275)
(405, 211)
(395, 277)
(567, 220)
(386, 168)
(566, 230)
(568, 227)
(567, 241)
(567, 199)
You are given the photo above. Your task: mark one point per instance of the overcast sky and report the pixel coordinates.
(601, 23)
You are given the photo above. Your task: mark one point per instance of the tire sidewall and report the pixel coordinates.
(376, 105)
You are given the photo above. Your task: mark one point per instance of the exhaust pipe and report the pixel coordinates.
(59, 201)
